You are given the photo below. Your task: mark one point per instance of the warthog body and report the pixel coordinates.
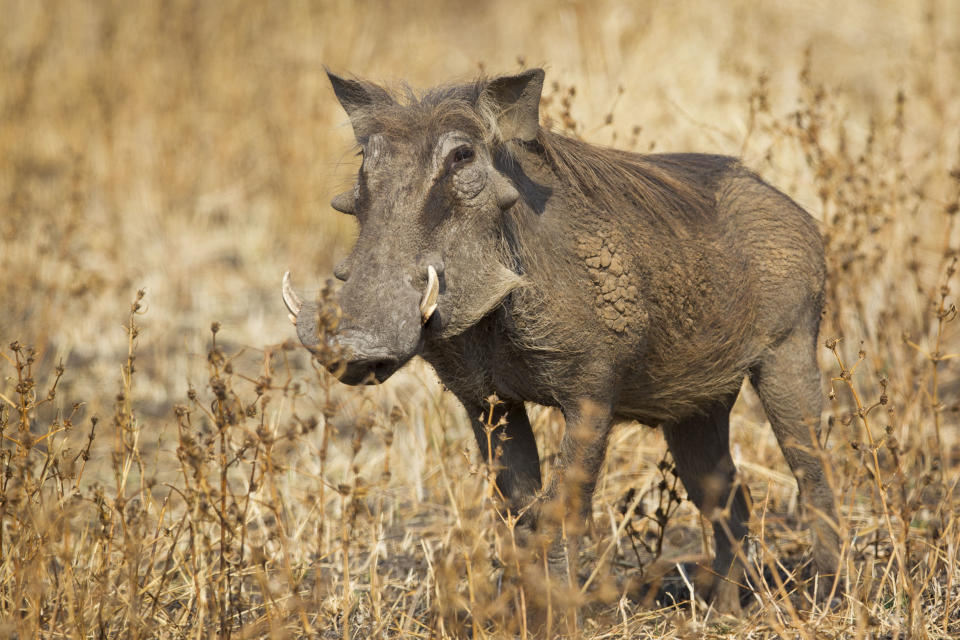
(615, 286)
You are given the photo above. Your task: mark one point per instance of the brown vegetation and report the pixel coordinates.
(231, 487)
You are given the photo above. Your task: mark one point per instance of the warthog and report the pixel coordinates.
(614, 286)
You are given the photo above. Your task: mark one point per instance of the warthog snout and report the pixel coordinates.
(365, 352)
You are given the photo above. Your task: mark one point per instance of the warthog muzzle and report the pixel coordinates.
(364, 352)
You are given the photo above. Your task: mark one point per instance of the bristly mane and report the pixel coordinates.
(668, 190)
(675, 194)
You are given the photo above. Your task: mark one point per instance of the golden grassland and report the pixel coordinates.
(162, 164)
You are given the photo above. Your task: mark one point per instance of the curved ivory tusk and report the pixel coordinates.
(290, 297)
(428, 304)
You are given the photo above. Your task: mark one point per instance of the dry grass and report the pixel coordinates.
(230, 488)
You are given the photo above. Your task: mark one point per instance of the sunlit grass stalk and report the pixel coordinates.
(862, 412)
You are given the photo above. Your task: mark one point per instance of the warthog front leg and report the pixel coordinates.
(582, 450)
(564, 508)
(560, 514)
(514, 449)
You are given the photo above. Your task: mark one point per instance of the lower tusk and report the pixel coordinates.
(293, 318)
(290, 298)
(428, 304)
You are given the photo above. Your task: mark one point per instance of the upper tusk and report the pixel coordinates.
(290, 297)
(429, 302)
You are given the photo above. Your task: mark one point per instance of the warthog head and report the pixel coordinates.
(433, 253)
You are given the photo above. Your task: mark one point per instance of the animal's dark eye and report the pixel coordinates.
(460, 155)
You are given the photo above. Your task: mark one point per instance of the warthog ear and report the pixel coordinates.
(515, 100)
(356, 96)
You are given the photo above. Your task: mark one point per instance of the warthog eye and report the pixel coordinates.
(461, 155)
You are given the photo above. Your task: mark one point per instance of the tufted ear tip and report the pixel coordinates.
(353, 94)
(357, 96)
(517, 101)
